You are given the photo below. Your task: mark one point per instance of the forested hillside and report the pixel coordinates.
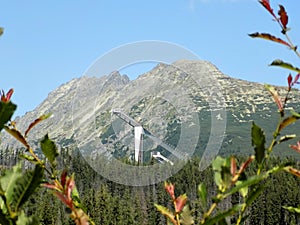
(110, 203)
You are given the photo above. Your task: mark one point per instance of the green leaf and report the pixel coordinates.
(288, 121)
(258, 142)
(9, 182)
(221, 216)
(218, 180)
(29, 158)
(223, 222)
(292, 209)
(76, 199)
(202, 191)
(49, 149)
(295, 114)
(220, 162)
(244, 219)
(17, 135)
(3, 219)
(243, 191)
(1, 30)
(166, 212)
(27, 220)
(253, 195)
(186, 217)
(280, 63)
(226, 176)
(222, 174)
(7, 110)
(249, 182)
(27, 184)
(18, 186)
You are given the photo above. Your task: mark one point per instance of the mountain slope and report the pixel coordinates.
(184, 104)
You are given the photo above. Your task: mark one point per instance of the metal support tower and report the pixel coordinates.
(139, 131)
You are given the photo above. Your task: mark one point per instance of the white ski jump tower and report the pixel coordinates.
(138, 134)
(139, 131)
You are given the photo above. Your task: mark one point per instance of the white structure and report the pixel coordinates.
(159, 156)
(139, 132)
(138, 143)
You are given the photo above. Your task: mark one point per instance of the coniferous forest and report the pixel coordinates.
(110, 203)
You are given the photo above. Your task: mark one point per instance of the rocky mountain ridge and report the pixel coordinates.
(174, 101)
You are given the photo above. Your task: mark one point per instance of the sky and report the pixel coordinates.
(48, 43)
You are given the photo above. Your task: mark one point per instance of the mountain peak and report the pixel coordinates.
(82, 107)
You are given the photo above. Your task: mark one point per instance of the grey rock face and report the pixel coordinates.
(170, 100)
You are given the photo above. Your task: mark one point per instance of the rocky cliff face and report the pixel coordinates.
(183, 104)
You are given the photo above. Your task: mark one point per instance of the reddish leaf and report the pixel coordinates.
(180, 202)
(51, 186)
(233, 166)
(275, 95)
(9, 94)
(6, 97)
(41, 118)
(16, 134)
(296, 79)
(289, 79)
(283, 17)
(170, 189)
(296, 147)
(63, 178)
(62, 197)
(70, 184)
(245, 164)
(270, 38)
(266, 4)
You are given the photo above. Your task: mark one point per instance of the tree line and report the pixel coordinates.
(108, 203)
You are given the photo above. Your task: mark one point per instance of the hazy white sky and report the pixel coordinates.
(47, 43)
